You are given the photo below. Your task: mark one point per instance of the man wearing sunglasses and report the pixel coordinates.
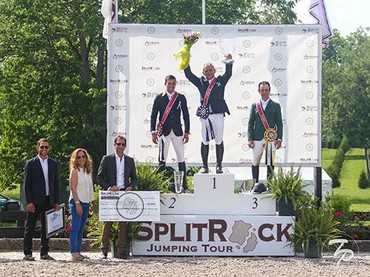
(41, 190)
(116, 172)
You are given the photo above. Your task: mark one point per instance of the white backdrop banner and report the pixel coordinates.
(288, 56)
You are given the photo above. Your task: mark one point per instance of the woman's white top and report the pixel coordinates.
(84, 188)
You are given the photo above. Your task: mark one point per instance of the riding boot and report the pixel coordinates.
(255, 172)
(219, 157)
(204, 150)
(182, 167)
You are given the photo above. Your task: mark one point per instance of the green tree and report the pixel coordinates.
(52, 75)
(346, 100)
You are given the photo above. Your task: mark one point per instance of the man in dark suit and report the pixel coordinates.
(264, 133)
(41, 190)
(213, 89)
(172, 128)
(116, 172)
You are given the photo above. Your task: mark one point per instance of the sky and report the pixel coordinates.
(344, 15)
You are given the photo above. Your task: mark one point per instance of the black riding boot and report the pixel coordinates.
(182, 167)
(219, 157)
(204, 150)
(255, 172)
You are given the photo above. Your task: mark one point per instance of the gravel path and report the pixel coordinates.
(11, 264)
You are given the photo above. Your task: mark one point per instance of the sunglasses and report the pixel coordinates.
(119, 144)
(81, 157)
(44, 147)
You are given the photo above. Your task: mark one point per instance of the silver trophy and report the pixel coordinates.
(227, 46)
(179, 178)
(247, 185)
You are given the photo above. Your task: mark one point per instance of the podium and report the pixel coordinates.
(215, 221)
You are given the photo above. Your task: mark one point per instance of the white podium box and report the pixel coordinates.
(212, 235)
(214, 195)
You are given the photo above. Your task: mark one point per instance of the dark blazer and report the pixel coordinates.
(273, 116)
(107, 172)
(173, 121)
(216, 99)
(34, 182)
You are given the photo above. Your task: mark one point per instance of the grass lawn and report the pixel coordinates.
(353, 164)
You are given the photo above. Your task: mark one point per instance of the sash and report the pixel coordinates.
(270, 135)
(165, 114)
(203, 110)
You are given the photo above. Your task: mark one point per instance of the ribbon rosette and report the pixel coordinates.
(184, 53)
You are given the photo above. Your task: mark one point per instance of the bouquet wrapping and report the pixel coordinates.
(184, 53)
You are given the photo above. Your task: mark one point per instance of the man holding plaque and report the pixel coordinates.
(170, 105)
(41, 190)
(212, 109)
(265, 130)
(116, 172)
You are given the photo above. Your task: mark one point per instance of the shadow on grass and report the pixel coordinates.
(354, 157)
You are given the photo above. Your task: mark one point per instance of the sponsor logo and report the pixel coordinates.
(118, 29)
(117, 56)
(244, 236)
(278, 69)
(278, 43)
(307, 134)
(242, 108)
(150, 68)
(246, 55)
(184, 82)
(309, 57)
(114, 134)
(242, 134)
(215, 31)
(277, 94)
(243, 83)
(151, 43)
(118, 108)
(278, 30)
(246, 30)
(148, 146)
(309, 108)
(180, 31)
(214, 42)
(310, 30)
(149, 94)
(243, 161)
(309, 81)
(151, 30)
(118, 81)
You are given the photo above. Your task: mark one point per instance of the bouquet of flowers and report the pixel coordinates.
(184, 53)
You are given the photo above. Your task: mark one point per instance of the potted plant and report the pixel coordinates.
(286, 187)
(314, 228)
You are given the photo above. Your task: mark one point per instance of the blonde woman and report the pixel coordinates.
(82, 193)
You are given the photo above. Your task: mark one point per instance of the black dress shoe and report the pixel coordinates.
(46, 257)
(29, 258)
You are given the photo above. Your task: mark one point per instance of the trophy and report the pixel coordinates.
(248, 185)
(227, 46)
(179, 178)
